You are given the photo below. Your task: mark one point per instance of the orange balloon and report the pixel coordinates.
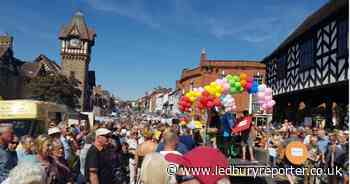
(243, 76)
(243, 83)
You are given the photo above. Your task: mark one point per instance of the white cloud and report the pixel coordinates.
(274, 19)
(133, 9)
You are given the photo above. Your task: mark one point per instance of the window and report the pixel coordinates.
(307, 54)
(281, 67)
(258, 78)
(342, 50)
(72, 74)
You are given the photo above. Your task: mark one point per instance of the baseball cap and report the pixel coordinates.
(102, 131)
(202, 157)
(53, 130)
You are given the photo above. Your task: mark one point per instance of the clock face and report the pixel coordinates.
(74, 43)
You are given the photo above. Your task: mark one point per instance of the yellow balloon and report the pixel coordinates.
(221, 89)
(197, 94)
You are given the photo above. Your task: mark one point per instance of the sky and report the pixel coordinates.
(142, 44)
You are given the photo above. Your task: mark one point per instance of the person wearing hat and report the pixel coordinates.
(54, 132)
(95, 172)
(201, 157)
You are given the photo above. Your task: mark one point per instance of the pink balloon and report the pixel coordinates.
(268, 91)
(269, 104)
(273, 102)
(226, 87)
(219, 81)
(268, 98)
(249, 85)
(261, 95)
(200, 89)
(264, 106)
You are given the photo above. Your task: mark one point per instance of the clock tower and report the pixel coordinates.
(77, 40)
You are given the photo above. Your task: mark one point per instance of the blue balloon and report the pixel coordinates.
(254, 89)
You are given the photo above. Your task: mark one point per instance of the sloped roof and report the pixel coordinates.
(78, 27)
(44, 60)
(32, 69)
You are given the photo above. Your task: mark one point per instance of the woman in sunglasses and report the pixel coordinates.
(64, 174)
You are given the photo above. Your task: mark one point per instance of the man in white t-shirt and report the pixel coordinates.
(170, 141)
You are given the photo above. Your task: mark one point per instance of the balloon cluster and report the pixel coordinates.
(229, 103)
(207, 101)
(193, 95)
(265, 98)
(235, 84)
(214, 89)
(185, 104)
(241, 83)
(209, 96)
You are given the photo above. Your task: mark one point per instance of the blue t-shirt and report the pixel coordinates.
(188, 141)
(228, 121)
(322, 145)
(180, 147)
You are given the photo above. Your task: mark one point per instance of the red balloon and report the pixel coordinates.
(217, 102)
(186, 99)
(248, 86)
(205, 93)
(182, 103)
(210, 104)
(249, 80)
(187, 104)
(182, 109)
(200, 106)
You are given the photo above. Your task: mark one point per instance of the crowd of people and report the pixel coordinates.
(137, 150)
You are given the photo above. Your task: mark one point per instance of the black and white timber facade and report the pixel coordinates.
(313, 61)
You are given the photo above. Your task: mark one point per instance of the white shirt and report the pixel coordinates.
(167, 152)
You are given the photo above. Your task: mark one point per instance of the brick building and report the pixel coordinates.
(209, 70)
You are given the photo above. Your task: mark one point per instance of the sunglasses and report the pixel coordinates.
(14, 143)
(181, 179)
(107, 136)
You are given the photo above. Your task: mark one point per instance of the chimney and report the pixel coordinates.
(204, 57)
(6, 40)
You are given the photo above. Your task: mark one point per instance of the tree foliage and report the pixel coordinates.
(56, 88)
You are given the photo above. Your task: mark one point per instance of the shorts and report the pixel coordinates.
(246, 140)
